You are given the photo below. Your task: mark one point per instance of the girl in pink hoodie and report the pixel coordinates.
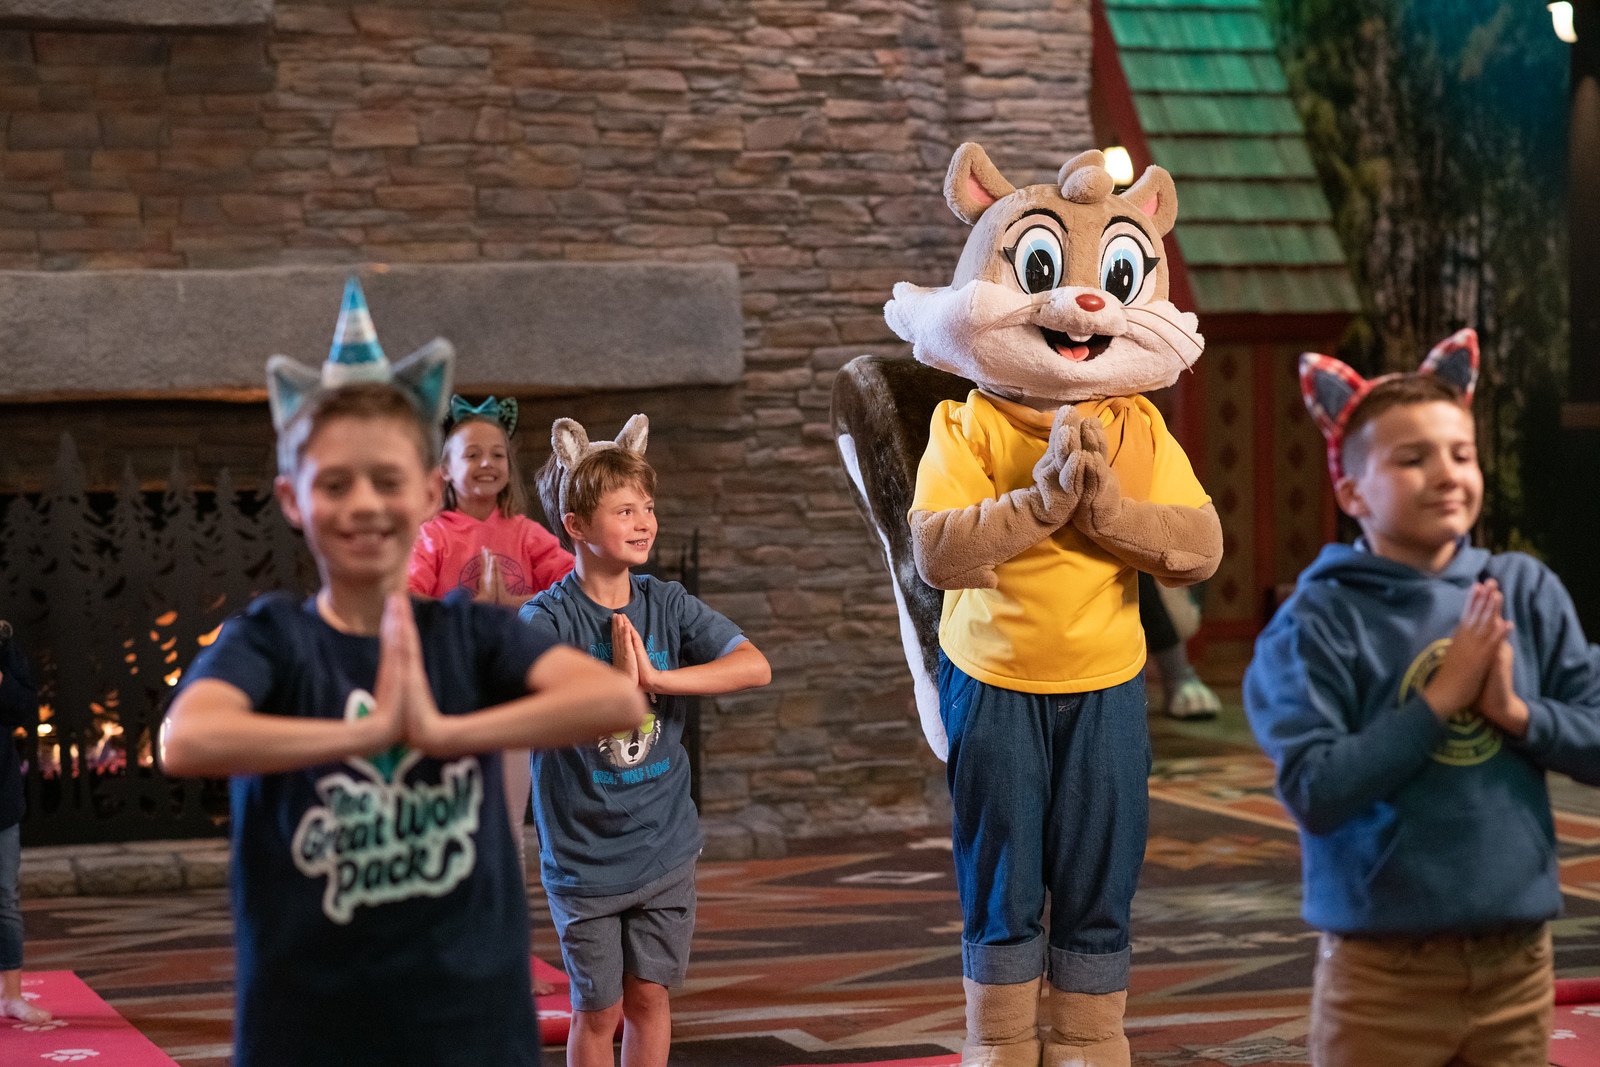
(481, 540)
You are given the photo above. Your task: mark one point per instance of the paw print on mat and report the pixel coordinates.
(39, 1028)
(69, 1055)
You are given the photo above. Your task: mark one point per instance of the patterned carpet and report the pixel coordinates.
(848, 951)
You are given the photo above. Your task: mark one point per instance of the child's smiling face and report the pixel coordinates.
(359, 494)
(622, 528)
(477, 461)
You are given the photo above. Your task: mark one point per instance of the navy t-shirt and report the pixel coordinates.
(616, 815)
(379, 914)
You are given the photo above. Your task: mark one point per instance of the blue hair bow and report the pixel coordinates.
(502, 411)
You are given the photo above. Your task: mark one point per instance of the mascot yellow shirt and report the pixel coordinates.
(1065, 615)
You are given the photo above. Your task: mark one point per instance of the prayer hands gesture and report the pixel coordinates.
(1477, 648)
(1500, 703)
(403, 706)
(629, 656)
(492, 586)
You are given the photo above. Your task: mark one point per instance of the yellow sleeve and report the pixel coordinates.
(1172, 480)
(954, 472)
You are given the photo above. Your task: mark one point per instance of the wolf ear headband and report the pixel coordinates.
(356, 356)
(1332, 389)
(502, 411)
(569, 442)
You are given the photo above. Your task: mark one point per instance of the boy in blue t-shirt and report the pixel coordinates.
(380, 917)
(1412, 723)
(618, 830)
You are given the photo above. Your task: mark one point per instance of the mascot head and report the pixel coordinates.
(1061, 292)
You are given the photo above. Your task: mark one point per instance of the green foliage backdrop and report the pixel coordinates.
(1439, 128)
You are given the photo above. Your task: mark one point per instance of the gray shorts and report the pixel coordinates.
(645, 933)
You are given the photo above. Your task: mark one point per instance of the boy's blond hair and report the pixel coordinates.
(362, 400)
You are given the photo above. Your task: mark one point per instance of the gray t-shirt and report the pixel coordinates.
(616, 815)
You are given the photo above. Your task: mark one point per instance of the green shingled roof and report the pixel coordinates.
(1254, 226)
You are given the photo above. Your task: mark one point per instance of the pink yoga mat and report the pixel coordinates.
(1578, 990)
(84, 1030)
(555, 1009)
(926, 1061)
(1575, 1036)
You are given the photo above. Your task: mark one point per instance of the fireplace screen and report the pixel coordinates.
(112, 594)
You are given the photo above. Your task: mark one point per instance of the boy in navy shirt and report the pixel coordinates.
(380, 917)
(618, 830)
(1413, 692)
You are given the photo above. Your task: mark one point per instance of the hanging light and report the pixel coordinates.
(1119, 165)
(1561, 18)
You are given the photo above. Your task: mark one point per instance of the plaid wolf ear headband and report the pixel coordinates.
(502, 411)
(356, 356)
(1332, 389)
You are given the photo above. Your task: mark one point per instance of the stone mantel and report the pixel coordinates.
(137, 14)
(529, 328)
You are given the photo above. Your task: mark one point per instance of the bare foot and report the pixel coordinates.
(541, 988)
(17, 1008)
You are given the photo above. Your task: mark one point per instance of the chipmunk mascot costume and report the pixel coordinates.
(1026, 478)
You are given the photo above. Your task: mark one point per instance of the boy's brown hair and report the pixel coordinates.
(363, 400)
(603, 470)
(1401, 391)
(513, 499)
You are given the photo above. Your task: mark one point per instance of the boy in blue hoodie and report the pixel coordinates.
(1412, 693)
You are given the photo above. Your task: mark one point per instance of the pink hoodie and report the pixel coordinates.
(448, 554)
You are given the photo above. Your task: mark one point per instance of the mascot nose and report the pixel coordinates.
(1090, 302)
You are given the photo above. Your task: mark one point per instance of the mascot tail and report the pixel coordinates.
(881, 411)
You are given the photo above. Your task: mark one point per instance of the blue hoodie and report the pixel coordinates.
(1410, 825)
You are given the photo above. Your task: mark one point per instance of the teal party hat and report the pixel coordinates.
(356, 356)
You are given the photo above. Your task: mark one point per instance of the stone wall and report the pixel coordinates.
(803, 141)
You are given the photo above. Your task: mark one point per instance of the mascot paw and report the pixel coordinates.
(1058, 475)
(1193, 699)
(1092, 434)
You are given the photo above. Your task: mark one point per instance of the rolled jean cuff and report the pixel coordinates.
(1003, 964)
(1090, 972)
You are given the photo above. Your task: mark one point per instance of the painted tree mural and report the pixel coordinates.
(1439, 131)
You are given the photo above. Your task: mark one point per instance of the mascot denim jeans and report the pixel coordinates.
(1050, 798)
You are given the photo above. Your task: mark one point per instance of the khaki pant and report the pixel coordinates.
(1448, 1001)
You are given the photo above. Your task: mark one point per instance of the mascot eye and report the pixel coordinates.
(1037, 260)
(1123, 267)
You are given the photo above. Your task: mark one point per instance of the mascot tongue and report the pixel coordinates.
(1065, 346)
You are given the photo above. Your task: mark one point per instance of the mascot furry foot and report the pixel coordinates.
(1193, 700)
(1002, 1027)
(1086, 1030)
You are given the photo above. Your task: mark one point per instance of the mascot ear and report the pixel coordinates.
(972, 184)
(635, 434)
(1329, 387)
(568, 442)
(1156, 197)
(1455, 359)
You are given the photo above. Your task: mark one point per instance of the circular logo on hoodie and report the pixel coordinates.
(1469, 739)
